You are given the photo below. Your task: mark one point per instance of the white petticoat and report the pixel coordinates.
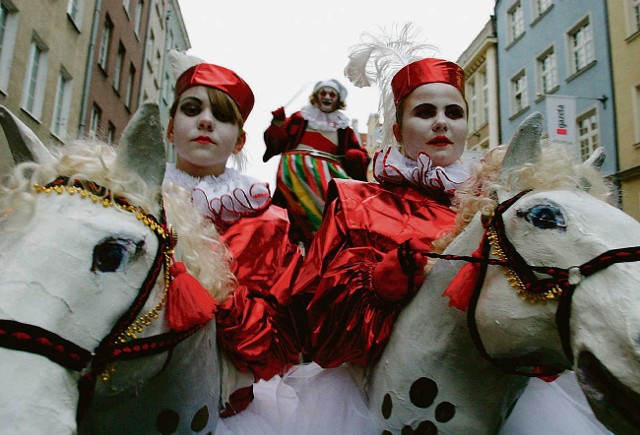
(309, 400)
(558, 408)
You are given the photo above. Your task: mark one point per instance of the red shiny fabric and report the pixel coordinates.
(348, 322)
(218, 77)
(423, 71)
(255, 326)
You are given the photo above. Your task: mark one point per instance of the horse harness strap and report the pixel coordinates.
(121, 343)
(560, 285)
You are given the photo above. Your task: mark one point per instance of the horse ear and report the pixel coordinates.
(23, 143)
(142, 146)
(596, 159)
(523, 148)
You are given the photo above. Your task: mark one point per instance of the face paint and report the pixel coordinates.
(327, 99)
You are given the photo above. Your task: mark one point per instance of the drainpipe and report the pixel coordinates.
(89, 68)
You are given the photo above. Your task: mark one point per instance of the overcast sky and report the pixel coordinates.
(282, 47)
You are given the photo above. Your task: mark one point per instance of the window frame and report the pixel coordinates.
(586, 46)
(62, 104)
(521, 104)
(549, 53)
(35, 78)
(592, 112)
(7, 44)
(95, 120)
(118, 67)
(515, 22)
(105, 44)
(539, 9)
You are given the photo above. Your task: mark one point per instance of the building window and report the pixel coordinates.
(540, 7)
(478, 98)
(61, 106)
(484, 81)
(8, 30)
(588, 133)
(635, 16)
(129, 94)
(151, 43)
(117, 72)
(157, 66)
(126, 4)
(166, 91)
(519, 100)
(138, 23)
(547, 72)
(515, 22)
(105, 43)
(96, 115)
(472, 98)
(75, 11)
(111, 133)
(581, 43)
(35, 78)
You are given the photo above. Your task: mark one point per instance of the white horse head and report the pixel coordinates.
(84, 255)
(561, 292)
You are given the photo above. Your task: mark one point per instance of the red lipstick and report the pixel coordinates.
(203, 139)
(440, 141)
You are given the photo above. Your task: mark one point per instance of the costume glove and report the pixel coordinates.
(278, 114)
(401, 271)
(355, 163)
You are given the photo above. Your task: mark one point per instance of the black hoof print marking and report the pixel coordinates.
(422, 394)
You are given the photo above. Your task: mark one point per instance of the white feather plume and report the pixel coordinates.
(376, 59)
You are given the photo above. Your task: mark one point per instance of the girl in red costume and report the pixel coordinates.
(364, 264)
(316, 145)
(206, 128)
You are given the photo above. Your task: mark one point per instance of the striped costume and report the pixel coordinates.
(310, 159)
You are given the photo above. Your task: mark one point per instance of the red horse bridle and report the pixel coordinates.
(559, 286)
(120, 343)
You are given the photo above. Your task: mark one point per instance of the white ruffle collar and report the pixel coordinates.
(390, 166)
(322, 121)
(226, 198)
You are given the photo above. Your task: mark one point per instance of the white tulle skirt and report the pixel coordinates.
(308, 400)
(558, 408)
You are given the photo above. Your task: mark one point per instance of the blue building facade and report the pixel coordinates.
(557, 48)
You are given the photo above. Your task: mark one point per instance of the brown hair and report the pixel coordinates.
(224, 107)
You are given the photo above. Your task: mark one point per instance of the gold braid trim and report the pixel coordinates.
(137, 327)
(553, 294)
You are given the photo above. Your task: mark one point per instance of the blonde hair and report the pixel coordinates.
(198, 244)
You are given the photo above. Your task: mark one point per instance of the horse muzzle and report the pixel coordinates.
(615, 404)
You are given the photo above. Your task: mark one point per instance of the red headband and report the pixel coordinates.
(218, 77)
(428, 70)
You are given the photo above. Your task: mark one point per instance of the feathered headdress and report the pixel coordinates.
(377, 59)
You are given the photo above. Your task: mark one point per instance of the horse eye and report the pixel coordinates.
(111, 253)
(544, 217)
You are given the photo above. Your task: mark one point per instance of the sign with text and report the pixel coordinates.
(561, 118)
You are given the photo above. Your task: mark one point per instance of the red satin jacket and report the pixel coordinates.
(347, 321)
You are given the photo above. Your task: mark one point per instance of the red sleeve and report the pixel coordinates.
(356, 160)
(255, 326)
(348, 322)
(253, 331)
(285, 137)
